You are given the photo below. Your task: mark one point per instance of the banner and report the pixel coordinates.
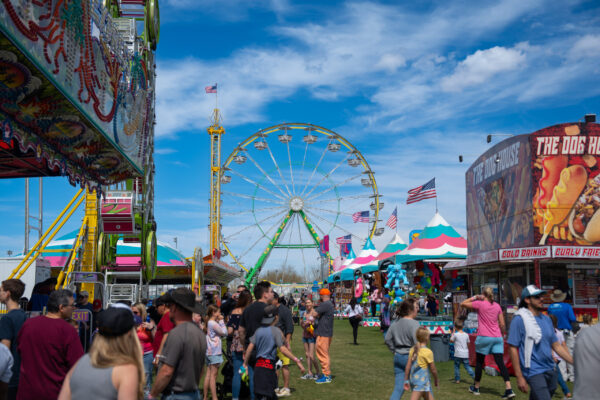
(499, 192)
(566, 184)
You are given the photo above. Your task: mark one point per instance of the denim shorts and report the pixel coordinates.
(489, 345)
(210, 360)
(309, 340)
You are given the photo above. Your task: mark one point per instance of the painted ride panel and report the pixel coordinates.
(73, 92)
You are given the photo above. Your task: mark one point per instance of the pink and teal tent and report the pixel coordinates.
(395, 246)
(438, 240)
(167, 256)
(367, 257)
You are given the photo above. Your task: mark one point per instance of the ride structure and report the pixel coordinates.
(213, 268)
(77, 99)
(287, 193)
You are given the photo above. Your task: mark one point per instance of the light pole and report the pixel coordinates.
(175, 241)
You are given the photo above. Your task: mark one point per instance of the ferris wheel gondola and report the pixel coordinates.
(286, 187)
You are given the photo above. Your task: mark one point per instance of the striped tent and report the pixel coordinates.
(367, 258)
(343, 273)
(395, 246)
(438, 240)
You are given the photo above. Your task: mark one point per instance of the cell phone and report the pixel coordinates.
(147, 318)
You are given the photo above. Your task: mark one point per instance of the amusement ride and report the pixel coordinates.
(286, 188)
(77, 100)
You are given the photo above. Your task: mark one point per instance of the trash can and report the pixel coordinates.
(440, 345)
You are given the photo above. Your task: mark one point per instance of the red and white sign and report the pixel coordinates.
(576, 252)
(525, 253)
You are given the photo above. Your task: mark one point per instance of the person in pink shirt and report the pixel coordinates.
(489, 340)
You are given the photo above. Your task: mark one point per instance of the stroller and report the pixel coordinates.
(224, 389)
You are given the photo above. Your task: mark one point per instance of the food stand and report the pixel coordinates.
(532, 203)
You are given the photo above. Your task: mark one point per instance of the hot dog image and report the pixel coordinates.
(551, 169)
(584, 221)
(571, 183)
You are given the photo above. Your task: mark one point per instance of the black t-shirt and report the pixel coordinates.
(251, 318)
(10, 325)
(286, 322)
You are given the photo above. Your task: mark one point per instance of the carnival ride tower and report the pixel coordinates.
(215, 130)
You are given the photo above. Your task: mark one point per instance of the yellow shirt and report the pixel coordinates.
(424, 358)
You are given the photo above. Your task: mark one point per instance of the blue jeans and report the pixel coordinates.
(400, 361)
(251, 381)
(147, 360)
(236, 383)
(184, 396)
(542, 386)
(561, 381)
(465, 363)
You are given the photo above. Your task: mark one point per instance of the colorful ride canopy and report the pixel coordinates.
(76, 97)
(438, 240)
(128, 254)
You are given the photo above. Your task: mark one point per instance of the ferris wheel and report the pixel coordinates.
(286, 187)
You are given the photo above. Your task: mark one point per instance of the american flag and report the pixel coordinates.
(344, 239)
(211, 89)
(393, 219)
(426, 191)
(361, 216)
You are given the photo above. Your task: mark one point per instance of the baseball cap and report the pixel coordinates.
(269, 315)
(115, 321)
(531, 290)
(325, 292)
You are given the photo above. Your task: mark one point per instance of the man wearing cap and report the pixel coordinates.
(183, 355)
(324, 333)
(565, 317)
(531, 338)
(163, 327)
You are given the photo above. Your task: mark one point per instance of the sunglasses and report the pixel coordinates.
(537, 296)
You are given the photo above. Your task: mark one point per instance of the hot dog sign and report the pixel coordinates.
(536, 189)
(566, 176)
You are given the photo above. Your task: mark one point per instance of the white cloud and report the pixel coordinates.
(483, 65)
(587, 46)
(162, 150)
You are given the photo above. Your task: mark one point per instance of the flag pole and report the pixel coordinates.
(217, 96)
(396, 218)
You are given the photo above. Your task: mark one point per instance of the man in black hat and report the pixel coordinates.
(182, 358)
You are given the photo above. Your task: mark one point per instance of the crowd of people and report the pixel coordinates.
(163, 351)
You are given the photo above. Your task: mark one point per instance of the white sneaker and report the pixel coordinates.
(306, 376)
(284, 392)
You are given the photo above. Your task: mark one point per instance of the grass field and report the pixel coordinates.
(366, 372)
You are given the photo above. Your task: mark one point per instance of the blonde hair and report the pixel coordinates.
(488, 293)
(142, 310)
(112, 351)
(422, 337)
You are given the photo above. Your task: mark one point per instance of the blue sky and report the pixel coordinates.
(410, 85)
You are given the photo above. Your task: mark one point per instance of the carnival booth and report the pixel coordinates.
(438, 244)
(532, 203)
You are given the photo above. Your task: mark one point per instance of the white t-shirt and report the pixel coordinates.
(357, 310)
(461, 344)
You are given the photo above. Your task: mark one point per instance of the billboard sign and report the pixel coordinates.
(499, 195)
(565, 169)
